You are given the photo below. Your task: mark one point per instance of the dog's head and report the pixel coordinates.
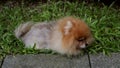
(76, 35)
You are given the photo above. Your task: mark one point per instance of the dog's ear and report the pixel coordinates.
(68, 27)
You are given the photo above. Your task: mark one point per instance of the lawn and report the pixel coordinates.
(104, 22)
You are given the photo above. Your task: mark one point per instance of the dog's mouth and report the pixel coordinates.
(83, 46)
(79, 47)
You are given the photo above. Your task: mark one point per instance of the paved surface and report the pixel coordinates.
(102, 61)
(45, 61)
(58, 61)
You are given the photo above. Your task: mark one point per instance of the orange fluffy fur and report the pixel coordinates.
(79, 29)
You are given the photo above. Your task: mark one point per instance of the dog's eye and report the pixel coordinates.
(81, 39)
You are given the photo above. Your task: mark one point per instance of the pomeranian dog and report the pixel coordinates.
(68, 35)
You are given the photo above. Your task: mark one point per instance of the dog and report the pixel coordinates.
(68, 35)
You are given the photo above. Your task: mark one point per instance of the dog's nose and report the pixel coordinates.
(86, 44)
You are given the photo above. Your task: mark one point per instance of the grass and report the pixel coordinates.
(104, 22)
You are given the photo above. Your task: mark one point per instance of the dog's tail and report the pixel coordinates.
(23, 29)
